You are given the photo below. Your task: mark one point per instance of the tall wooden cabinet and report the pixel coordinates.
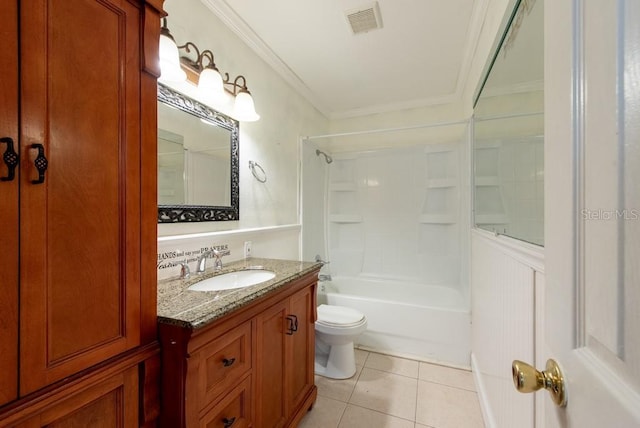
(77, 198)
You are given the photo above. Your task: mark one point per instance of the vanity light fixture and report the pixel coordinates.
(170, 69)
(243, 108)
(210, 83)
(203, 72)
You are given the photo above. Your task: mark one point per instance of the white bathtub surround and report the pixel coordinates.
(277, 242)
(397, 225)
(410, 319)
(509, 190)
(399, 213)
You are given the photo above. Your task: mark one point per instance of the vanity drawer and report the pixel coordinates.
(234, 411)
(223, 362)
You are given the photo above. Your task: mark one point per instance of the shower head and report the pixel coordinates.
(327, 158)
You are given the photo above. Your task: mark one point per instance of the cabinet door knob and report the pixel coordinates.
(10, 158)
(228, 362)
(40, 162)
(228, 421)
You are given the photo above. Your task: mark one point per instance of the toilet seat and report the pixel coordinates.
(339, 316)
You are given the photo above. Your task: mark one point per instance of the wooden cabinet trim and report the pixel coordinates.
(9, 201)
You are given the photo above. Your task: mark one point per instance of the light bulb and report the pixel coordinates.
(170, 69)
(244, 109)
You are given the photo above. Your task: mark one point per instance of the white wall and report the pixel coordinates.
(507, 277)
(272, 141)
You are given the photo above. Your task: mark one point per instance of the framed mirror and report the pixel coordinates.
(508, 131)
(198, 161)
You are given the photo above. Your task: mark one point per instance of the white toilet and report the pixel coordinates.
(336, 329)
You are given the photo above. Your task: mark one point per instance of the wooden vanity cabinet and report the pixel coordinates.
(250, 368)
(77, 274)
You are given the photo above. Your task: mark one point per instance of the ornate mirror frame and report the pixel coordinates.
(194, 213)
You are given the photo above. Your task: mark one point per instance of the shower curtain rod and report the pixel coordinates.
(378, 131)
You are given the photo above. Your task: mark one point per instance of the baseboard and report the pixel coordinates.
(487, 415)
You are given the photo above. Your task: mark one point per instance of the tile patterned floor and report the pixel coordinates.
(391, 392)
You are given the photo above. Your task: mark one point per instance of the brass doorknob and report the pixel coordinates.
(527, 379)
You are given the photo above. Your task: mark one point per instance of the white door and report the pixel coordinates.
(592, 210)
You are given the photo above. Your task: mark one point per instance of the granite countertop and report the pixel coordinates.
(195, 309)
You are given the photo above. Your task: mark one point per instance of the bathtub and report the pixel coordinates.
(426, 322)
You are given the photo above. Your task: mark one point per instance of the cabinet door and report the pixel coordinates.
(80, 228)
(270, 366)
(8, 203)
(301, 349)
(111, 403)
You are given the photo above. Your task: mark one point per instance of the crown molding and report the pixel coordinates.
(236, 24)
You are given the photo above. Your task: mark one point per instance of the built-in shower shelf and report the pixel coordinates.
(435, 183)
(345, 218)
(438, 219)
(487, 181)
(345, 186)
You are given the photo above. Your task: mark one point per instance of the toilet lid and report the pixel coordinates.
(339, 315)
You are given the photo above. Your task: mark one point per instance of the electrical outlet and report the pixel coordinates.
(247, 249)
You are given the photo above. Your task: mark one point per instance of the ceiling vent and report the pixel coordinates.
(364, 19)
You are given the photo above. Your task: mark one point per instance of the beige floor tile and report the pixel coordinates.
(422, 426)
(386, 392)
(443, 406)
(358, 417)
(361, 356)
(326, 413)
(447, 376)
(395, 365)
(338, 389)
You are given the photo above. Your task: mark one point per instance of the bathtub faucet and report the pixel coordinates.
(319, 260)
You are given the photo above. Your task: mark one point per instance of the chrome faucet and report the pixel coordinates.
(202, 260)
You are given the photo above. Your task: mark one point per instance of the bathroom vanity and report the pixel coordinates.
(241, 357)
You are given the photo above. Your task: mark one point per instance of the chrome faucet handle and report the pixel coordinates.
(217, 263)
(185, 272)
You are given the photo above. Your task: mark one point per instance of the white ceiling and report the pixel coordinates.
(421, 55)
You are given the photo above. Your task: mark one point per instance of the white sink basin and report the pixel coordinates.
(231, 280)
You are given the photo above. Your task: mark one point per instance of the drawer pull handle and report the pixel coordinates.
(40, 162)
(228, 421)
(10, 158)
(293, 324)
(228, 362)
